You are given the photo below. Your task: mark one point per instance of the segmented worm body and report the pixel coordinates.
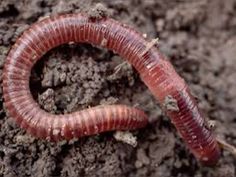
(156, 72)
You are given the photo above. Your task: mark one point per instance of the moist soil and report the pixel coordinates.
(198, 37)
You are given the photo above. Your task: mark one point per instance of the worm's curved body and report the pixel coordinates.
(156, 72)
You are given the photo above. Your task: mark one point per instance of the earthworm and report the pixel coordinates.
(154, 69)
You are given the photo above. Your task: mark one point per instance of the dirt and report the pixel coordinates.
(170, 104)
(198, 37)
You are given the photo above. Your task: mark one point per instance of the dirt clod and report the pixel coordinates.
(126, 137)
(99, 11)
(46, 100)
(170, 104)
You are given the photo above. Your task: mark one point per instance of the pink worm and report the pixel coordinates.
(156, 72)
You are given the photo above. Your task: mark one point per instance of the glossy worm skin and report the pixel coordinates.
(156, 72)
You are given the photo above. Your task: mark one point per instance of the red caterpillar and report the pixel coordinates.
(156, 72)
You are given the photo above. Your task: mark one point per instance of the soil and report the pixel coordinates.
(199, 38)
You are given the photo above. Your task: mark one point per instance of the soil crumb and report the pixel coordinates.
(126, 137)
(99, 11)
(170, 104)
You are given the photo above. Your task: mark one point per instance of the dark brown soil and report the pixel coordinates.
(199, 37)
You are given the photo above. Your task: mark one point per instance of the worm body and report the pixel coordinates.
(156, 72)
